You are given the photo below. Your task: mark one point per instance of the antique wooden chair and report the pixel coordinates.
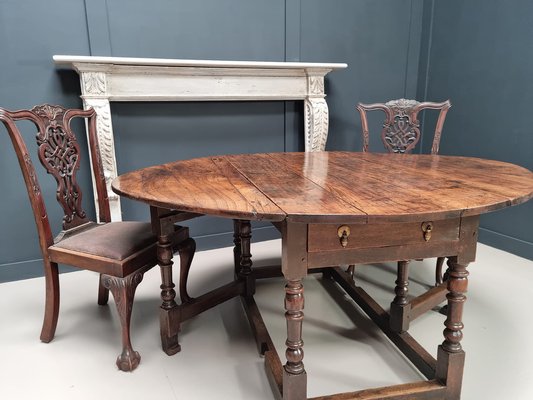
(401, 128)
(400, 134)
(121, 252)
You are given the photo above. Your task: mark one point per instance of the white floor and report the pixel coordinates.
(343, 352)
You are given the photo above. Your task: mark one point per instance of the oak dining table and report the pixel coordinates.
(333, 209)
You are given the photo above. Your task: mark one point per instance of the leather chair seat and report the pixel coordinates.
(114, 240)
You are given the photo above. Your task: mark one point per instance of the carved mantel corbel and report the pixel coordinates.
(95, 94)
(316, 114)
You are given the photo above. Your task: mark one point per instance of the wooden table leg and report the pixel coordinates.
(169, 312)
(294, 375)
(400, 306)
(169, 327)
(294, 267)
(450, 357)
(237, 245)
(245, 263)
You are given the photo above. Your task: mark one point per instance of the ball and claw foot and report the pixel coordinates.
(128, 360)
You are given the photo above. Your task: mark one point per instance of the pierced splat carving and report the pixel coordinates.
(401, 128)
(59, 153)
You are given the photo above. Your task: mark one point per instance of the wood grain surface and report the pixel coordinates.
(331, 186)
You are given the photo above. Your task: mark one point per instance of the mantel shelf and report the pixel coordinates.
(170, 62)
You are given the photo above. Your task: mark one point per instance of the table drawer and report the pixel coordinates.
(327, 237)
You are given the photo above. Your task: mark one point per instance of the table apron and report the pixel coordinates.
(391, 242)
(383, 254)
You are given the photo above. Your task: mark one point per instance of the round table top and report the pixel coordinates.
(331, 186)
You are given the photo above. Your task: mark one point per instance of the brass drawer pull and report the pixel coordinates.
(427, 228)
(343, 232)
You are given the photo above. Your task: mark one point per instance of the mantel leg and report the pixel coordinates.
(106, 146)
(450, 357)
(316, 123)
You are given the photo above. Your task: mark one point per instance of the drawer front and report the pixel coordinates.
(328, 237)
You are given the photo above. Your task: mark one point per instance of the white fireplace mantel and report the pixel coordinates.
(106, 79)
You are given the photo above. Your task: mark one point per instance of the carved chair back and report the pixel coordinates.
(59, 153)
(401, 128)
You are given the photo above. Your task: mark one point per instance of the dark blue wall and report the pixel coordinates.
(151, 133)
(31, 32)
(480, 55)
(385, 42)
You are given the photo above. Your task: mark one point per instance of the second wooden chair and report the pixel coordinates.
(121, 252)
(400, 134)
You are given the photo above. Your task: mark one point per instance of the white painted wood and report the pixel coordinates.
(173, 87)
(106, 79)
(171, 62)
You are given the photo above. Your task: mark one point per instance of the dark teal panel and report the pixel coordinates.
(98, 27)
(155, 133)
(481, 57)
(200, 29)
(31, 32)
(373, 37)
(379, 41)
(206, 29)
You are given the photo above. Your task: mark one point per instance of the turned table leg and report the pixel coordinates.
(294, 266)
(245, 262)
(171, 237)
(237, 245)
(450, 357)
(294, 375)
(169, 328)
(400, 306)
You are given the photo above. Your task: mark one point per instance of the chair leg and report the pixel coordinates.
(123, 290)
(103, 292)
(186, 251)
(51, 309)
(438, 271)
